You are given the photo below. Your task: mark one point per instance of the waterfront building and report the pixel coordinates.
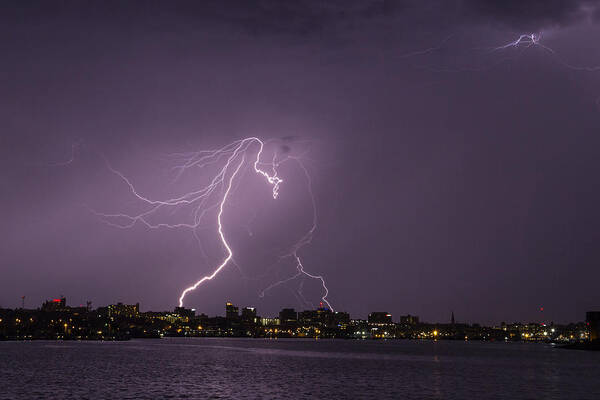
(288, 316)
(55, 304)
(249, 314)
(380, 318)
(124, 310)
(188, 313)
(231, 311)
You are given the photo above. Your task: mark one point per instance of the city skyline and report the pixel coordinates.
(56, 320)
(88, 304)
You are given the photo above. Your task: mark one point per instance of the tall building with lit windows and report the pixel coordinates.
(231, 311)
(124, 310)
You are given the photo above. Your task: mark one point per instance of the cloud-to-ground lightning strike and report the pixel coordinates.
(221, 235)
(235, 154)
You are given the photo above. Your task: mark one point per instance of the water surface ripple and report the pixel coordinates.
(207, 368)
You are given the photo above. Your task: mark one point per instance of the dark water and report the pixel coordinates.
(298, 369)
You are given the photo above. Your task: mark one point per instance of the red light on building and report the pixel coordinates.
(56, 300)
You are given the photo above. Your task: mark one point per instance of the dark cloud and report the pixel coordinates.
(530, 15)
(309, 18)
(300, 17)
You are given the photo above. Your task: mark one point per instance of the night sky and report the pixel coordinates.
(447, 174)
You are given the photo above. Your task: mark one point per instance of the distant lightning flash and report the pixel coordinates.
(526, 40)
(521, 43)
(235, 155)
(534, 39)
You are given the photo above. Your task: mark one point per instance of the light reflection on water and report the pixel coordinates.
(254, 368)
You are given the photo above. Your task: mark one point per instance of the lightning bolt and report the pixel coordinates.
(235, 154)
(221, 235)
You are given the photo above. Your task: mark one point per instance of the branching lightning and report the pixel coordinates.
(233, 156)
(526, 40)
(304, 240)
